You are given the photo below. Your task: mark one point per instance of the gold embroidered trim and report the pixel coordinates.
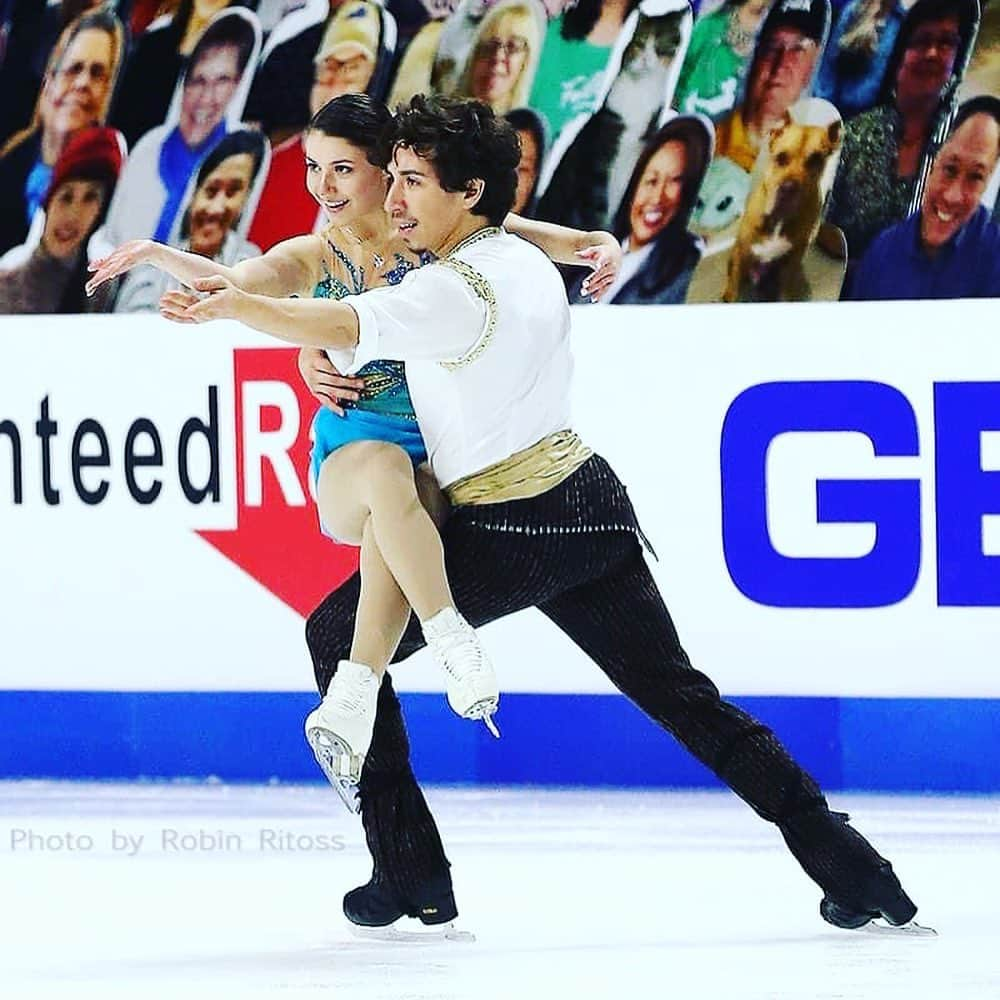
(479, 234)
(528, 473)
(483, 290)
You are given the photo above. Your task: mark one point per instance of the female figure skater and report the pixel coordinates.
(364, 460)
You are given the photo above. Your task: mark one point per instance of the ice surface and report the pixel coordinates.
(571, 894)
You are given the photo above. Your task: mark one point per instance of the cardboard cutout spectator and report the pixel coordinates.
(29, 33)
(207, 106)
(858, 53)
(571, 77)
(279, 100)
(214, 219)
(652, 220)
(785, 59)
(501, 65)
(531, 133)
(346, 62)
(78, 86)
(886, 148)
(591, 166)
(716, 60)
(157, 62)
(52, 278)
(950, 248)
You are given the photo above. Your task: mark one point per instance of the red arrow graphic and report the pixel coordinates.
(276, 541)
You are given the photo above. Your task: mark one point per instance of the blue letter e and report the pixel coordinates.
(889, 571)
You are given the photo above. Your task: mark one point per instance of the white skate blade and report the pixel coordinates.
(341, 767)
(909, 929)
(417, 934)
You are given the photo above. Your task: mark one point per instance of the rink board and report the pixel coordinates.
(821, 485)
(874, 744)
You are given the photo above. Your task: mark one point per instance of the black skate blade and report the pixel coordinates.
(407, 931)
(910, 929)
(335, 758)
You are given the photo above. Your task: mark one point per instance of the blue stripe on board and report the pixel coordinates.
(884, 744)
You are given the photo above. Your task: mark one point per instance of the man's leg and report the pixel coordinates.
(492, 574)
(402, 836)
(620, 620)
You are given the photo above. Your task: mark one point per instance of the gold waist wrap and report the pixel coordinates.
(528, 473)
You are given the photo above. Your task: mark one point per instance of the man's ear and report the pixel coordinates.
(474, 191)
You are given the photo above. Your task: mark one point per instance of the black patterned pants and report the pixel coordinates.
(574, 554)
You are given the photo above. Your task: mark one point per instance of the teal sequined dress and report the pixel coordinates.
(384, 411)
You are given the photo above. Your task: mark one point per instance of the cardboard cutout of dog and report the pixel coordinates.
(781, 216)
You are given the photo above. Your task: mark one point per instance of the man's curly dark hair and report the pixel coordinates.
(465, 141)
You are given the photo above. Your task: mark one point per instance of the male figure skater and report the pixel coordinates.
(539, 520)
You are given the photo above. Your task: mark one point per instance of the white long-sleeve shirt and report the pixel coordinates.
(485, 338)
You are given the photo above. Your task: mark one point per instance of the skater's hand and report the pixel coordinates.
(219, 299)
(174, 305)
(605, 259)
(123, 259)
(325, 382)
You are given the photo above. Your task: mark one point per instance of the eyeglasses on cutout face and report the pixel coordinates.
(497, 48)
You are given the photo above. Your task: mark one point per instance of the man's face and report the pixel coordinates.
(218, 202)
(71, 216)
(784, 66)
(425, 214)
(208, 88)
(958, 179)
(928, 60)
(77, 90)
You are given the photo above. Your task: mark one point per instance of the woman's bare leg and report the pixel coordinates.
(383, 611)
(368, 496)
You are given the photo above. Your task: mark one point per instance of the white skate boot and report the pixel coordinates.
(340, 730)
(473, 692)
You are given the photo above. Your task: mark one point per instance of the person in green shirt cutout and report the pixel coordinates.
(574, 60)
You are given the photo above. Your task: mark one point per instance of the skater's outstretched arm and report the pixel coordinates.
(324, 323)
(595, 249)
(433, 316)
(292, 267)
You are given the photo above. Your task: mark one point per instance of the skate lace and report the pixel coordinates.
(348, 694)
(458, 657)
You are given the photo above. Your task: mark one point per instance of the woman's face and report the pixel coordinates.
(527, 169)
(928, 60)
(71, 215)
(658, 195)
(76, 92)
(340, 178)
(498, 62)
(218, 202)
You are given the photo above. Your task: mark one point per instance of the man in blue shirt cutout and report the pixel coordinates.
(950, 248)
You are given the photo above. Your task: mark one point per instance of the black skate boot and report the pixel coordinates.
(859, 885)
(884, 897)
(377, 905)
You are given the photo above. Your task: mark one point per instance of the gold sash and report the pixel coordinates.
(528, 473)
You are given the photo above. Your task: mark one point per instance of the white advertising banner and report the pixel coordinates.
(821, 485)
